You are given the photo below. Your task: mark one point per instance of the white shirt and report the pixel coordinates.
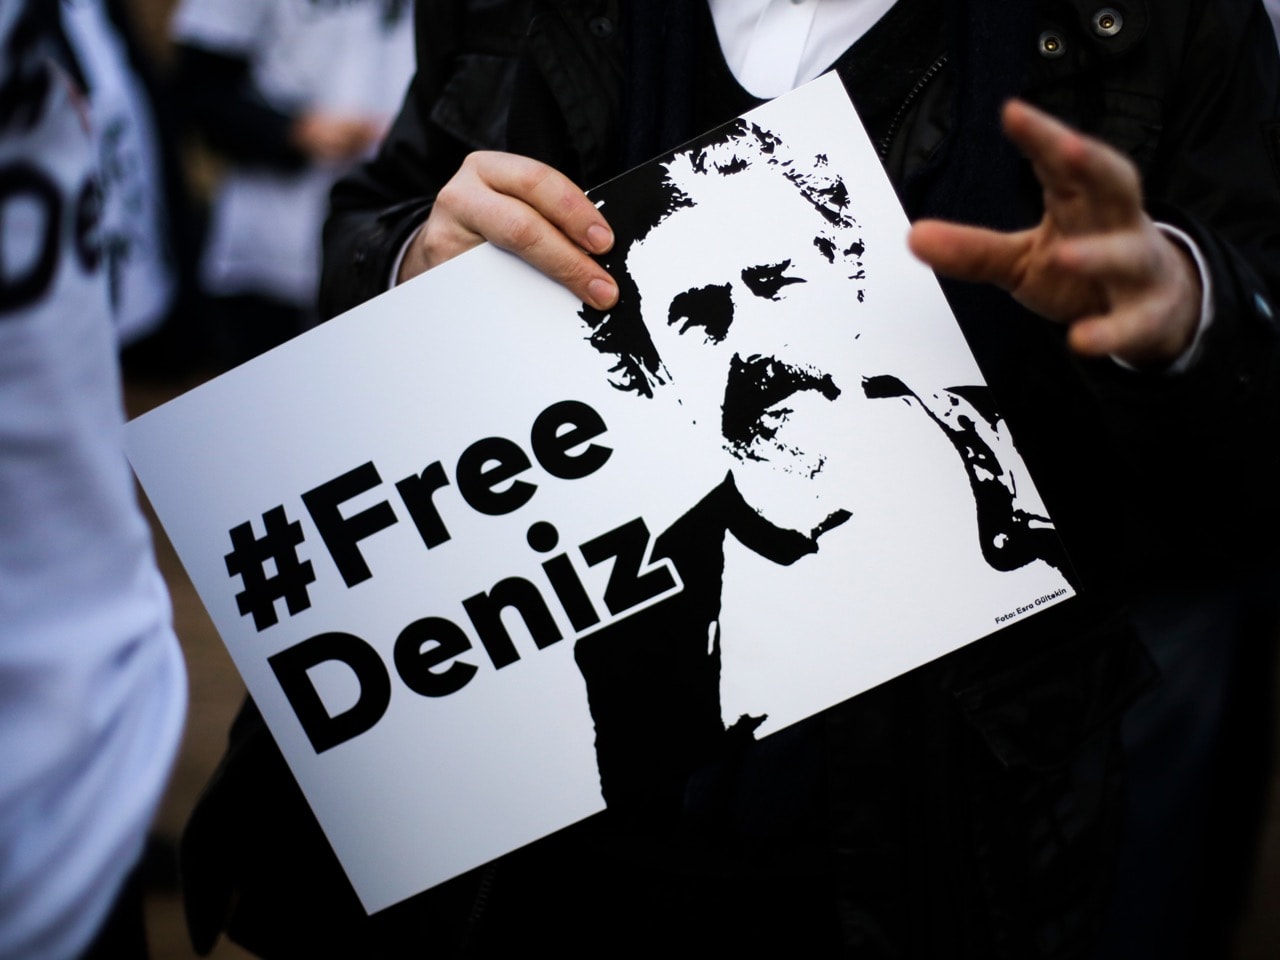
(773, 46)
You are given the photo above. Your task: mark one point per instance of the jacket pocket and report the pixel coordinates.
(475, 101)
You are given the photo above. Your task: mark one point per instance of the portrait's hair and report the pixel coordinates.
(650, 195)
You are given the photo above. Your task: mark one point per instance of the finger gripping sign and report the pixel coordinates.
(490, 562)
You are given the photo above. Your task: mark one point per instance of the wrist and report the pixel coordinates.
(1182, 313)
(409, 262)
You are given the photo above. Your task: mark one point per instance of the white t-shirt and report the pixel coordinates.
(344, 56)
(92, 688)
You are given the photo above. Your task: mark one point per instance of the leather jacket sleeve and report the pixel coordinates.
(456, 103)
(373, 210)
(552, 66)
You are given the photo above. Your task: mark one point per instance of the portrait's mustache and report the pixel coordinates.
(756, 385)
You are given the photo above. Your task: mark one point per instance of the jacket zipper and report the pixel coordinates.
(479, 904)
(882, 148)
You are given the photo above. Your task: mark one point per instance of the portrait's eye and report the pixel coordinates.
(767, 279)
(709, 309)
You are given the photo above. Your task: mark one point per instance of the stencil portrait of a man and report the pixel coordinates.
(741, 273)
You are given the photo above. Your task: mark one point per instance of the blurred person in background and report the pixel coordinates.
(92, 685)
(292, 93)
(150, 231)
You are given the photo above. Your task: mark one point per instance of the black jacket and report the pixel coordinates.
(969, 808)
(1158, 475)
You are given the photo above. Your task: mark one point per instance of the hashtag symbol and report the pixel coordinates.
(248, 560)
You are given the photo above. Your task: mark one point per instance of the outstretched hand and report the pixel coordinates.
(1095, 261)
(523, 206)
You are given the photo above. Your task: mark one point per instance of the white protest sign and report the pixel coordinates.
(469, 548)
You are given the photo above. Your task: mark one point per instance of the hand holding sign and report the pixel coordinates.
(522, 206)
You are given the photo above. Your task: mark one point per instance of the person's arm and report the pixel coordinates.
(440, 152)
(514, 202)
(523, 206)
(1214, 177)
(1096, 261)
(239, 121)
(214, 87)
(1200, 442)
